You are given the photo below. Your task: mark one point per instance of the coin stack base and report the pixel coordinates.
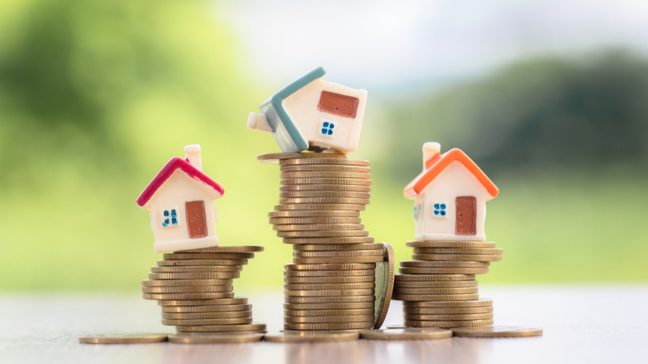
(438, 288)
(333, 282)
(194, 289)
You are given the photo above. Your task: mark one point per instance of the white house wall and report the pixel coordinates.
(178, 189)
(302, 107)
(454, 181)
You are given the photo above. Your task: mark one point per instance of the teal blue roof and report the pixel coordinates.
(277, 103)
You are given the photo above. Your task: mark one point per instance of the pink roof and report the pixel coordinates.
(167, 171)
(436, 165)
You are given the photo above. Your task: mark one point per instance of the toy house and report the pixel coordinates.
(313, 112)
(180, 201)
(450, 196)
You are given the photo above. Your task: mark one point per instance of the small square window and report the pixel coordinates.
(327, 128)
(169, 218)
(439, 209)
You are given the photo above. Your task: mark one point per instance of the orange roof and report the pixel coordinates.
(439, 163)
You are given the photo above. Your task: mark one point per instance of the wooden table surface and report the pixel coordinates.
(583, 324)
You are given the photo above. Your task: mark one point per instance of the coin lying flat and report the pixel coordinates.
(434, 284)
(192, 269)
(328, 273)
(208, 308)
(443, 264)
(310, 337)
(448, 324)
(351, 312)
(185, 282)
(450, 244)
(328, 280)
(326, 187)
(338, 253)
(303, 155)
(316, 213)
(450, 290)
(434, 277)
(317, 307)
(215, 338)
(330, 293)
(328, 241)
(223, 259)
(497, 331)
(321, 227)
(421, 270)
(279, 221)
(205, 315)
(337, 247)
(330, 267)
(447, 310)
(322, 161)
(459, 257)
(325, 174)
(327, 181)
(384, 285)
(434, 297)
(406, 334)
(338, 194)
(188, 289)
(197, 322)
(327, 286)
(197, 263)
(321, 168)
(187, 296)
(228, 249)
(464, 317)
(322, 233)
(259, 328)
(192, 275)
(217, 301)
(329, 299)
(333, 260)
(320, 207)
(123, 339)
(450, 304)
(329, 326)
(478, 251)
(329, 319)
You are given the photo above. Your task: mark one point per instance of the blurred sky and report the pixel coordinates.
(412, 43)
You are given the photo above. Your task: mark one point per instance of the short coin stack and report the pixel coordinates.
(332, 283)
(194, 288)
(438, 286)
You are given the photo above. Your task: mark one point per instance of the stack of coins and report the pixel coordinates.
(194, 288)
(438, 287)
(332, 282)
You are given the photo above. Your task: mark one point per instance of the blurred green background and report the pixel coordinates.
(96, 96)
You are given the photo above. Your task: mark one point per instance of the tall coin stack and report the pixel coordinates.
(438, 287)
(194, 288)
(333, 282)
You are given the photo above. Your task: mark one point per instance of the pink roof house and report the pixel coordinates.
(180, 201)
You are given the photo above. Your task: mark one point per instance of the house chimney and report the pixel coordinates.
(192, 155)
(431, 153)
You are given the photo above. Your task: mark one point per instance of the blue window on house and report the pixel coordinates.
(327, 128)
(439, 209)
(170, 218)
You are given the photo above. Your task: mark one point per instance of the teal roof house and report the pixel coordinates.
(313, 113)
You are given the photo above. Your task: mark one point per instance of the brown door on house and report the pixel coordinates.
(196, 221)
(466, 221)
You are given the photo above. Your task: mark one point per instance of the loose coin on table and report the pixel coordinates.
(497, 331)
(406, 334)
(123, 339)
(186, 338)
(311, 336)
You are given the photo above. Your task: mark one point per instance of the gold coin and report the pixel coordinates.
(311, 337)
(448, 324)
(228, 249)
(189, 268)
(406, 334)
(450, 244)
(446, 310)
(322, 233)
(409, 270)
(497, 331)
(351, 312)
(185, 282)
(210, 302)
(384, 285)
(123, 339)
(337, 247)
(328, 319)
(203, 275)
(195, 262)
(223, 328)
(279, 221)
(478, 251)
(339, 306)
(328, 280)
(209, 308)
(320, 227)
(326, 187)
(217, 256)
(325, 168)
(329, 292)
(302, 155)
(451, 304)
(330, 299)
(328, 326)
(320, 213)
(459, 257)
(332, 267)
(334, 194)
(435, 297)
(323, 161)
(434, 277)
(328, 241)
(215, 338)
(321, 286)
(463, 317)
(434, 284)
(326, 181)
(324, 260)
(443, 264)
(188, 289)
(205, 315)
(224, 321)
(187, 296)
(324, 174)
(447, 290)
(338, 253)
(320, 206)
(329, 273)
